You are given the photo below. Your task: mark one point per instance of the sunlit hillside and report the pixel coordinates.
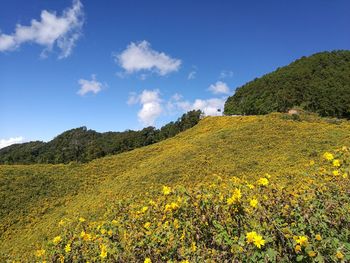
(35, 198)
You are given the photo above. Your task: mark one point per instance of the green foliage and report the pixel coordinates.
(82, 145)
(319, 83)
(34, 198)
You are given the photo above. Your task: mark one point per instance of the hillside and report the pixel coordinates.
(319, 83)
(83, 145)
(35, 198)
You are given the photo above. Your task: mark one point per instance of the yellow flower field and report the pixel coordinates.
(302, 219)
(190, 198)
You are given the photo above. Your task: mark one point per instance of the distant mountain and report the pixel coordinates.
(319, 83)
(83, 145)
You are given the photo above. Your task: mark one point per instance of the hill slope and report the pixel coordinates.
(319, 83)
(34, 198)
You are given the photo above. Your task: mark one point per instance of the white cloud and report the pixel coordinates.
(210, 107)
(226, 74)
(62, 31)
(8, 142)
(219, 88)
(141, 57)
(192, 75)
(7, 42)
(133, 98)
(92, 86)
(177, 97)
(151, 106)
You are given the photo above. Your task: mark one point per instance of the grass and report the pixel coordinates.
(34, 198)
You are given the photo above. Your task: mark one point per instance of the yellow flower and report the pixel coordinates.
(335, 172)
(147, 260)
(339, 255)
(61, 223)
(336, 163)
(167, 208)
(311, 253)
(237, 193)
(147, 225)
(267, 175)
(312, 162)
(57, 240)
(193, 247)
(302, 240)
(103, 251)
(184, 261)
(40, 252)
(259, 241)
(230, 201)
(253, 203)
(250, 236)
(263, 181)
(81, 219)
(144, 209)
(253, 237)
(103, 254)
(85, 236)
(297, 248)
(236, 196)
(328, 156)
(170, 207)
(176, 223)
(67, 248)
(103, 231)
(318, 237)
(174, 205)
(250, 186)
(345, 175)
(110, 232)
(166, 190)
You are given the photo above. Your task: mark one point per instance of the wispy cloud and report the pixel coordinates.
(224, 74)
(92, 86)
(219, 88)
(141, 57)
(50, 31)
(192, 74)
(10, 141)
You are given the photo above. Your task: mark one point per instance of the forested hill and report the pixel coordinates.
(84, 145)
(319, 83)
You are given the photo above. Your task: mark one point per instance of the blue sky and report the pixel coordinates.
(116, 65)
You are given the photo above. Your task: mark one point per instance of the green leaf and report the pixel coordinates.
(319, 259)
(271, 253)
(300, 258)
